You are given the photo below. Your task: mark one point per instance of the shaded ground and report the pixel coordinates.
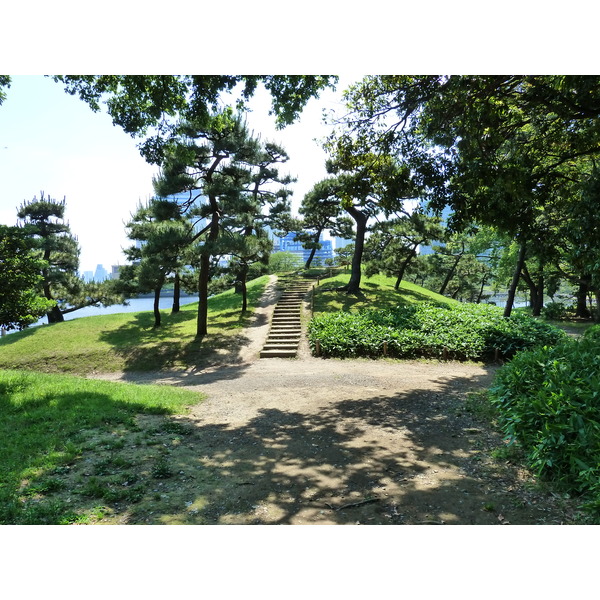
(306, 440)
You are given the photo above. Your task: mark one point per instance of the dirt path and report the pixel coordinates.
(330, 441)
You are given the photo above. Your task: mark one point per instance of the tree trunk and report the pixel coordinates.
(483, 282)
(451, 272)
(536, 291)
(243, 278)
(582, 311)
(512, 290)
(54, 314)
(176, 294)
(405, 264)
(539, 304)
(204, 275)
(361, 219)
(314, 250)
(157, 307)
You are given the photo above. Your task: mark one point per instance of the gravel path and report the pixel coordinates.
(307, 440)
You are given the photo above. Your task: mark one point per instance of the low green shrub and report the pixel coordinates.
(593, 332)
(554, 311)
(460, 331)
(548, 401)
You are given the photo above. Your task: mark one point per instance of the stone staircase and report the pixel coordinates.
(286, 325)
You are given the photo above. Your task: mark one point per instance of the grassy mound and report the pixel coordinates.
(414, 322)
(128, 341)
(376, 292)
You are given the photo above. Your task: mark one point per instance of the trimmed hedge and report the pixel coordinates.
(549, 401)
(460, 332)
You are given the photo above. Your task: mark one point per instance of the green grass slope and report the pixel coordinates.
(377, 292)
(128, 341)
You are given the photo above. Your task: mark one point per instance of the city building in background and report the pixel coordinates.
(287, 244)
(101, 274)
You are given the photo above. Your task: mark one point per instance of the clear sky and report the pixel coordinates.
(53, 142)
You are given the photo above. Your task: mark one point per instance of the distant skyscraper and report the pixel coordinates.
(100, 274)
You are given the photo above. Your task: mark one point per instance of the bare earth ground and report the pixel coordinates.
(312, 441)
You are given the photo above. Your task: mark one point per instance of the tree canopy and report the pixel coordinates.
(50, 235)
(507, 151)
(20, 302)
(223, 176)
(151, 105)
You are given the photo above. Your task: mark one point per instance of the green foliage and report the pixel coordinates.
(151, 105)
(4, 82)
(283, 262)
(549, 402)
(393, 243)
(20, 304)
(229, 177)
(554, 311)
(461, 332)
(58, 250)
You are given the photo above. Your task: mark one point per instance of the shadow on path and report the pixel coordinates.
(405, 458)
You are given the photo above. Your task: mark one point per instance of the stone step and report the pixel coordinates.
(285, 318)
(278, 354)
(280, 347)
(286, 325)
(290, 333)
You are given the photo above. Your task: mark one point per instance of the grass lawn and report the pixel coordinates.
(376, 292)
(75, 449)
(128, 341)
(68, 445)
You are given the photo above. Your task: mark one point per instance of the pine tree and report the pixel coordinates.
(163, 234)
(20, 303)
(43, 222)
(223, 169)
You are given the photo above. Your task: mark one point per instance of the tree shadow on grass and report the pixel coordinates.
(44, 440)
(144, 348)
(399, 458)
(330, 298)
(15, 336)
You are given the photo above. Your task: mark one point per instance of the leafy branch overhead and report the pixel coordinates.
(151, 106)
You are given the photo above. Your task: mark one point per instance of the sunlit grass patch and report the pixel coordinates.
(53, 424)
(377, 292)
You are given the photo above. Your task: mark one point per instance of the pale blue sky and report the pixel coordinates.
(53, 142)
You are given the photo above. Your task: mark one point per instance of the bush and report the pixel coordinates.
(549, 401)
(461, 332)
(554, 311)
